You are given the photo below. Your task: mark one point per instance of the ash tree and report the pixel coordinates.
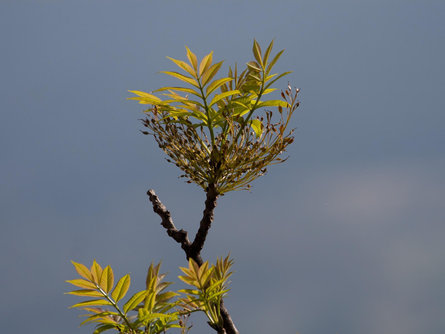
(222, 133)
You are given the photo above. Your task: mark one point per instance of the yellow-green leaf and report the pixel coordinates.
(144, 98)
(192, 59)
(269, 90)
(107, 279)
(257, 127)
(216, 84)
(253, 66)
(257, 52)
(188, 280)
(221, 96)
(102, 328)
(277, 78)
(182, 64)
(93, 302)
(103, 317)
(82, 270)
(96, 271)
(180, 89)
(166, 296)
(273, 103)
(206, 62)
(134, 301)
(85, 293)
(266, 55)
(182, 77)
(274, 60)
(81, 283)
(121, 288)
(210, 73)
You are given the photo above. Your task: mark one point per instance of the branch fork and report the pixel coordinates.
(193, 249)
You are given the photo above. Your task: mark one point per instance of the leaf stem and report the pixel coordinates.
(121, 314)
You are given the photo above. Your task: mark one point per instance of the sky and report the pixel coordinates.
(345, 237)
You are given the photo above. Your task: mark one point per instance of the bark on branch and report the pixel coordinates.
(167, 222)
(193, 250)
(206, 222)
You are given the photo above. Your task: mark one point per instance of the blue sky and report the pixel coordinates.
(346, 237)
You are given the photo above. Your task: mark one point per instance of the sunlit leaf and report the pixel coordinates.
(267, 53)
(180, 89)
(102, 317)
(253, 66)
(182, 77)
(277, 78)
(192, 59)
(134, 301)
(103, 328)
(166, 296)
(274, 60)
(257, 52)
(216, 84)
(144, 98)
(85, 293)
(221, 96)
(210, 73)
(269, 90)
(188, 280)
(96, 271)
(82, 270)
(206, 62)
(107, 279)
(273, 103)
(257, 127)
(93, 302)
(81, 283)
(121, 288)
(182, 64)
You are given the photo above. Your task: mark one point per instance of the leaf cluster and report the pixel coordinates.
(211, 128)
(210, 286)
(152, 310)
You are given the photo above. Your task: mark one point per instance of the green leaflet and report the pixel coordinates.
(221, 96)
(182, 64)
(144, 98)
(273, 103)
(192, 59)
(96, 272)
(205, 63)
(182, 77)
(92, 302)
(81, 283)
(257, 52)
(134, 301)
(107, 279)
(257, 126)
(180, 89)
(210, 73)
(82, 270)
(216, 84)
(85, 293)
(121, 288)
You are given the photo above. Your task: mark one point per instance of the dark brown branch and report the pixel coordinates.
(206, 222)
(193, 250)
(167, 222)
